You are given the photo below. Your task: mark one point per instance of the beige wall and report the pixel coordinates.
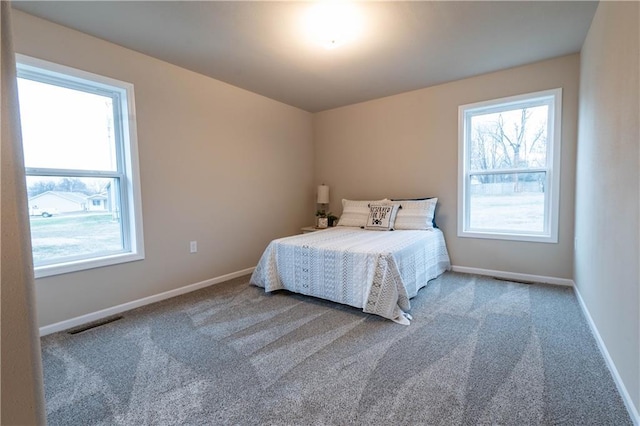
(607, 194)
(220, 165)
(407, 146)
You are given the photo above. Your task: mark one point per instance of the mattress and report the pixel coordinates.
(375, 271)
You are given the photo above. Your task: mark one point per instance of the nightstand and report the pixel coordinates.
(308, 229)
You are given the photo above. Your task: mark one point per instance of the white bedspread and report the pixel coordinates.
(373, 270)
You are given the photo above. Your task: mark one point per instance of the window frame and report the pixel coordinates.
(552, 169)
(127, 174)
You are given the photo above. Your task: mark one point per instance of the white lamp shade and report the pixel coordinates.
(323, 194)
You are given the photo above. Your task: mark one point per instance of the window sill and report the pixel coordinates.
(82, 265)
(531, 238)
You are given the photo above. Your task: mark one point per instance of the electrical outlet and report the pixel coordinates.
(193, 246)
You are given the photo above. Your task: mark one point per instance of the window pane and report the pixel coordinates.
(73, 217)
(507, 202)
(64, 128)
(515, 138)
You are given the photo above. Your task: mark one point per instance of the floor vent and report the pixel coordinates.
(514, 281)
(94, 324)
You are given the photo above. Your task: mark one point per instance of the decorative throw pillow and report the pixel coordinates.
(355, 213)
(416, 214)
(382, 216)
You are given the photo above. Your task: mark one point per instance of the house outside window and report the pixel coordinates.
(509, 167)
(81, 164)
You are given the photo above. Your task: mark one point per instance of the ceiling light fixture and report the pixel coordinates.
(333, 23)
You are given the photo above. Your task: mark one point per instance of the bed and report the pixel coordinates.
(375, 271)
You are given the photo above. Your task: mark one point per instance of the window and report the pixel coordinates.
(509, 167)
(81, 163)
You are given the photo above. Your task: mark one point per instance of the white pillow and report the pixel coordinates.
(416, 214)
(355, 213)
(382, 216)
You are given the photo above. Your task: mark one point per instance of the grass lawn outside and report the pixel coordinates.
(523, 211)
(74, 235)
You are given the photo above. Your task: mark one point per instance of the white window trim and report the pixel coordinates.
(552, 196)
(133, 199)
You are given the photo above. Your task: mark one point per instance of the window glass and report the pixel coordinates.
(64, 128)
(67, 223)
(509, 139)
(513, 202)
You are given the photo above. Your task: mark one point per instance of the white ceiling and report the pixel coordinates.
(260, 46)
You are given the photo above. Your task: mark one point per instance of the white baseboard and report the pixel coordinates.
(515, 276)
(94, 316)
(628, 402)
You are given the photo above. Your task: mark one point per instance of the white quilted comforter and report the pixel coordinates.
(373, 270)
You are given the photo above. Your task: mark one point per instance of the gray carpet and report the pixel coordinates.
(479, 351)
